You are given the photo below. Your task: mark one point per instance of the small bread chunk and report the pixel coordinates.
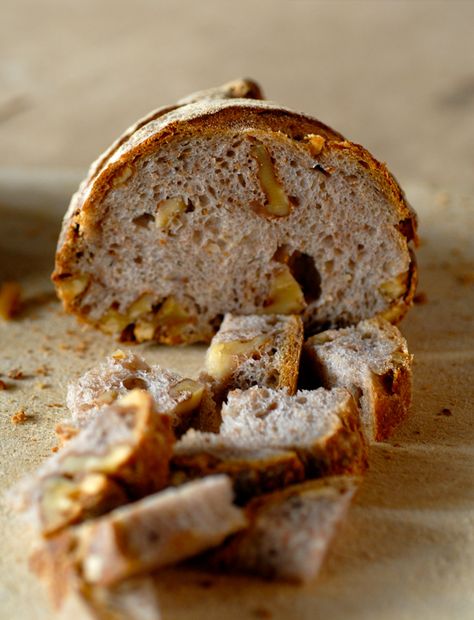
(121, 455)
(252, 472)
(372, 361)
(321, 426)
(246, 351)
(290, 531)
(122, 372)
(158, 530)
(228, 203)
(54, 563)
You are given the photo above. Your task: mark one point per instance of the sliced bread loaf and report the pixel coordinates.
(290, 531)
(121, 372)
(223, 204)
(122, 454)
(159, 530)
(372, 361)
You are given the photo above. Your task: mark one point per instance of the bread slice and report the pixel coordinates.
(252, 471)
(122, 454)
(54, 563)
(246, 351)
(121, 372)
(263, 429)
(372, 361)
(234, 205)
(159, 530)
(290, 531)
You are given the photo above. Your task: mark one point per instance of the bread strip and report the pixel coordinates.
(372, 361)
(290, 531)
(252, 471)
(173, 394)
(158, 530)
(122, 454)
(321, 426)
(246, 351)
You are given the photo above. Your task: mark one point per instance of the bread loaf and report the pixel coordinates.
(230, 204)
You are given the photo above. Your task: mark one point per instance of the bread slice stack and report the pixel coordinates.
(229, 220)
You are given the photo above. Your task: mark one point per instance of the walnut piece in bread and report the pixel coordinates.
(191, 206)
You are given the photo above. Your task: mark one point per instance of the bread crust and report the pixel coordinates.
(215, 111)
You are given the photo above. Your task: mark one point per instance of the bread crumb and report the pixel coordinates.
(16, 373)
(65, 432)
(40, 385)
(3, 385)
(420, 298)
(43, 370)
(10, 300)
(445, 412)
(20, 417)
(466, 278)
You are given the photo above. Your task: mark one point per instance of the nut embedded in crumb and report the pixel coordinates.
(3, 385)
(10, 299)
(20, 417)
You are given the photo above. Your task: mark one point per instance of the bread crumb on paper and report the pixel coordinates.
(20, 417)
(10, 300)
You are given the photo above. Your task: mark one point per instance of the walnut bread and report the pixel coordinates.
(226, 203)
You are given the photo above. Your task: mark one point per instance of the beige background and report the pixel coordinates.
(396, 76)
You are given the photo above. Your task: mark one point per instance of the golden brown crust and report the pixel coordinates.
(392, 398)
(290, 354)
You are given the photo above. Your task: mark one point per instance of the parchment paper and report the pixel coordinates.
(407, 548)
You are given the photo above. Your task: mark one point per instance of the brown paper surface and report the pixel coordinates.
(407, 548)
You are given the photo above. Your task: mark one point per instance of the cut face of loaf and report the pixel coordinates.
(321, 427)
(372, 361)
(122, 372)
(122, 454)
(290, 531)
(247, 351)
(158, 530)
(237, 206)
